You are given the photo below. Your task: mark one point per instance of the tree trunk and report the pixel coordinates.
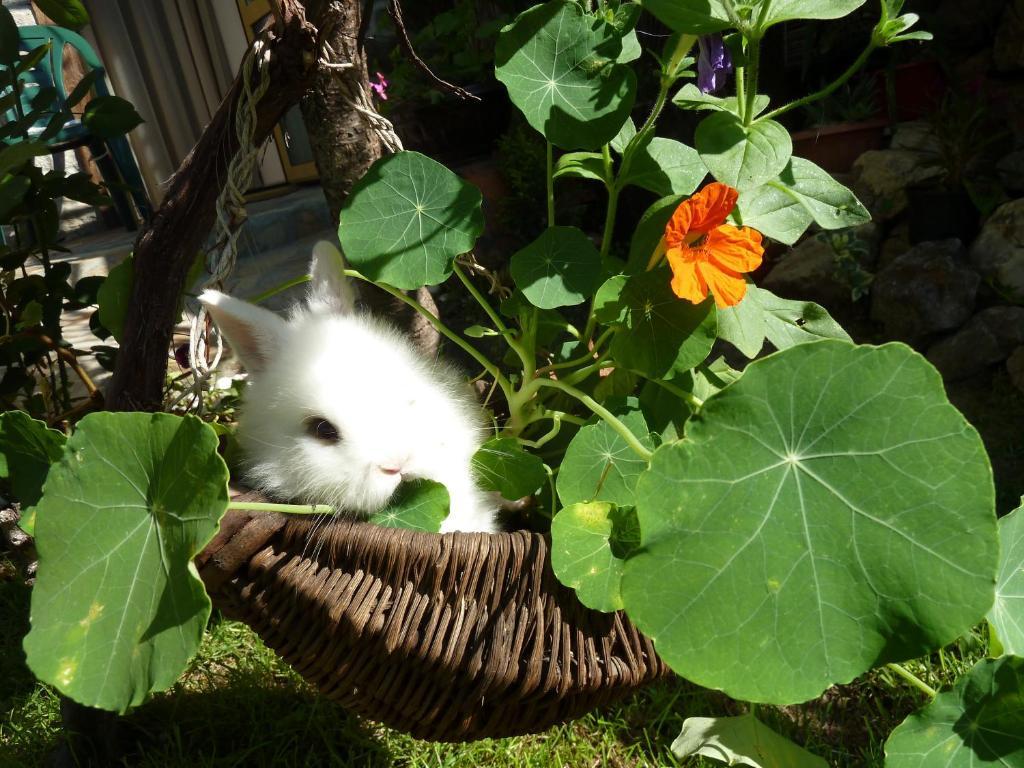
(344, 146)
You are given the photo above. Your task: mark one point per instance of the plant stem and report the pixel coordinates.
(592, 354)
(913, 679)
(261, 297)
(623, 431)
(689, 398)
(741, 92)
(753, 65)
(296, 509)
(526, 358)
(828, 89)
(487, 365)
(551, 183)
(583, 373)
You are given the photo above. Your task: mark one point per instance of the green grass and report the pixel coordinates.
(239, 705)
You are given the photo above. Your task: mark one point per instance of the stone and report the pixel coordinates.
(811, 270)
(916, 136)
(998, 252)
(1015, 367)
(1008, 50)
(894, 246)
(1011, 172)
(883, 175)
(990, 337)
(927, 290)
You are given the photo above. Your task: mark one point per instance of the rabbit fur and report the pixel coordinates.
(340, 408)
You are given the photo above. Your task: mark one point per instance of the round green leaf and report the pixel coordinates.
(1007, 615)
(742, 156)
(110, 116)
(27, 449)
(828, 512)
(599, 465)
(559, 65)
(589, 544)
(980, 722)
(407, 219)
(561, 268)
(503, 466)
(666, 167)
(662, 332)
(421, 505)
(118, 609)
(649, 231)
(694, 17)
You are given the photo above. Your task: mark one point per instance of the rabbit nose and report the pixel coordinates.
(390, 470)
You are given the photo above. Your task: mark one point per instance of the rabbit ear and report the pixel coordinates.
(256, 334)
(329, 289)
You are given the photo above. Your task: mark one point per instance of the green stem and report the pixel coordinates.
(583, 373)
(261, 297)
(741, 91)
(913, 679)
(296, 509)
(623, 431)
(591, 354)
(551, 183)
(689, 398)
(506, 332)
(753, 65)
(828, 89)
(447, 332)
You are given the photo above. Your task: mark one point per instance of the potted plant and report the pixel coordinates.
(842, 127)
(947, 204)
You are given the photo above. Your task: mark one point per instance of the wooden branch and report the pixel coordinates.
(165, 250)
(395, 12)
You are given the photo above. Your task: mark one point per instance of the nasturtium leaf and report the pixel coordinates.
(980, 722)
(27, 449)
(695, 17)
(608, 309)
(666, 167)
(787, 10)
(561, 268)
(773, 212)
(662, 333)
(741, 740)
(421, 505)
(783, 208)
(599, 465)
(407, 219)
(13, 156)
(763, 315)
(828, 512)
(1007, 615)
(742, 156)
(649, 231)
(560, 66)
(581, 165)
(9, 37)
(118, 608)
(12, 193)
(589, 544)
(110, 116)
(691, 97)
(114, 295)
(502, 465)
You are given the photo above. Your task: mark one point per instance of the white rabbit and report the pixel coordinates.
(340, 408)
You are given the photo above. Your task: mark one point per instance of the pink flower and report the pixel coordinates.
(380, 87)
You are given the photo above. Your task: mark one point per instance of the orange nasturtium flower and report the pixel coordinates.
(706, 253)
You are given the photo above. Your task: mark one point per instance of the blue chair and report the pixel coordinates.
(113, 156)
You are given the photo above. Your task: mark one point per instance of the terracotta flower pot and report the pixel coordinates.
(836, 147)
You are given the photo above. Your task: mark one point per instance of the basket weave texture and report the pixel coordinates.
(449, 638)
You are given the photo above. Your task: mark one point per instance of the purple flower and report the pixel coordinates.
(713, 64)
(380, 87)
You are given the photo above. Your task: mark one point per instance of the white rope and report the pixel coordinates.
(230, 217)
(231, 213)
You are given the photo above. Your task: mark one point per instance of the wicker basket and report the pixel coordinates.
(450, 638)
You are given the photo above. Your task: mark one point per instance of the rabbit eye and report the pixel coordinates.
(320, 428)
